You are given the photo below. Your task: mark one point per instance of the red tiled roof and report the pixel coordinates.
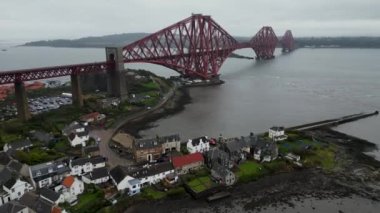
(180, 161)
(93, 115)
(56, 210)
(68, 181)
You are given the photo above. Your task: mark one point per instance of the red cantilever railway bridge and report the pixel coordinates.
(195, 47)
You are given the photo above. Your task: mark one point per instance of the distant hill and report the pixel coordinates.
(100, 41)
(126, 38)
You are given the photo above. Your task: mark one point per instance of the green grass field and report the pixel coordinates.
(249, 170)
(200, 184)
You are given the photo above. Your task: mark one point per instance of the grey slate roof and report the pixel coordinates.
(20, 144)
(49, 194)
(220, 170)
(11, 182)
(170, 138)
(151, 170)
(99, 173)
(12, 207)
(85, 160)
(71, 127)
(48, 169)
(36, 203)
(118, 173)
(5, 175)
(277, 128)
(146, 143)
(196, 141)
(4, 158)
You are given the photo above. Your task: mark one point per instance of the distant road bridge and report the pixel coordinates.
(195, 47)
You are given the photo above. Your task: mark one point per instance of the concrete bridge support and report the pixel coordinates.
(76, 90)
(116, 84)
(22, 101)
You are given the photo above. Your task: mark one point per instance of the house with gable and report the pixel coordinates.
(184, 164)
(170, 143)
(70, 188)
(81, 166)
(76, 133)
(97, 176)
(48, 174)
(277, 133)
(52, 196)
(200, 144)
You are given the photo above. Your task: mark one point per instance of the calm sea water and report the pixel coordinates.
(304, 86)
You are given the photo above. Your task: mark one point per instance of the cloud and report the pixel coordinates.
(51, 19)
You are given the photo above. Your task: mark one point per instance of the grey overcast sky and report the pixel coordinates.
(52, 19)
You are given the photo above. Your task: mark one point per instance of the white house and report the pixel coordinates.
(13, 189)
(277, 133)
(97, 176)
(136, 179)
(81, 166)
(48, 174)
(52, 196)
(71, 187)
(78, 138)
(198, 145)
(123, 181)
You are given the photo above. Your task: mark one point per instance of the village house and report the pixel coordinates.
(36, 203)
(134, 180)
(78, 138)
(200, 144)
(14, 207)
(93, 117)
(12, 187)
(124, 182)
(81, 166)
(92, 150)
(277, 133)
(48, 174)
(74, 127)
(71, 187)
(223, 175)
(147, 150)
(184, 164)
(97, 176)
(170, 143)
(52, 196)
(17, 145)
(265, 151)
(218, 156)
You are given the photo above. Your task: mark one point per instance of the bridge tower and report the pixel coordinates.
(116, 84)
(21, 101)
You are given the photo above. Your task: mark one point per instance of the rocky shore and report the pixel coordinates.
(174, 105)
(356, 175)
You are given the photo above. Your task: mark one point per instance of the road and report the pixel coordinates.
(105, 136)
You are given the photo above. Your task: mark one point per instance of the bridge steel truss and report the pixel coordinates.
(264, 43)
(195, 47)
(287, 41)
(52, 72)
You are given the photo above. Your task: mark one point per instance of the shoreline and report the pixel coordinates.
(174, 105)
(357, 175)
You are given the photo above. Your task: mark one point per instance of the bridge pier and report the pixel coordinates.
(21, 101)
(116, 83)
(76, 90)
